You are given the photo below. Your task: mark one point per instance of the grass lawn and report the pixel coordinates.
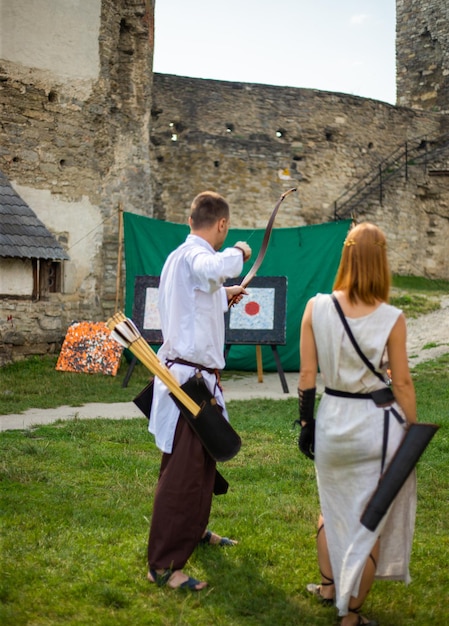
(76, 501)
(416, 295)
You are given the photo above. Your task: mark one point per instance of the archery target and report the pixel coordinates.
(151, 317)
(255, 311)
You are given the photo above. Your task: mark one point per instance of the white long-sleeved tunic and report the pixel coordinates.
(192, 303)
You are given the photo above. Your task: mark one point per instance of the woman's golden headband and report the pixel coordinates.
(352, 242)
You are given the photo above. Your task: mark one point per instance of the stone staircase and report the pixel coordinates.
(430, 154)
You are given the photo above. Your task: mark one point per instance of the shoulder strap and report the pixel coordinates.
(354, 342)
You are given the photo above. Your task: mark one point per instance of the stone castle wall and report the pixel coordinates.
(74, 144)
(252, 142)
(422, 54)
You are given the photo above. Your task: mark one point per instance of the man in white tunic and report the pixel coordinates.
(192, 303)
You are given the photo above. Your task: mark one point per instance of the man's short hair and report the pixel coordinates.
(208, 208)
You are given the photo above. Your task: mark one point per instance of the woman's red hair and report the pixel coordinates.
(364, 272)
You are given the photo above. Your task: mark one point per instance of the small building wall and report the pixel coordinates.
(16, 277)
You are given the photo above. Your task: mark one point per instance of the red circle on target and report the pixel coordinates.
(252, 308)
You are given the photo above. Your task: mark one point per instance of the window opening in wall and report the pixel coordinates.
(229, 128)
(329, 136)
(217, 163)
(53, 277)
(47, 278)
(174, 136)
(124, 27)
(156, 112)
(370, 145)
(52, 96)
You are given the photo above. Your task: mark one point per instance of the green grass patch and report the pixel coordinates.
(35, 383)
(429, 346)
(419, 283)
(75, 509)
(416, 295)
(414, 305)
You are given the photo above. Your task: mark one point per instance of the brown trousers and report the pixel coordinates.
(182, 501)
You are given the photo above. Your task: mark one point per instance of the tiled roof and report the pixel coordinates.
(22, 234)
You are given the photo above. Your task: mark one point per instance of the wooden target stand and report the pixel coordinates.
(259, 364)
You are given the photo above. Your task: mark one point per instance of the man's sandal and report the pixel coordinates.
(224, 541)
(191, 584)
(162, 579)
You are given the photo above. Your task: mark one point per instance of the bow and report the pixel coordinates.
(266, 238)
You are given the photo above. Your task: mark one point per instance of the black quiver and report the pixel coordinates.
(415, 441)
(213, 429)
(215, 432)
(144, 399)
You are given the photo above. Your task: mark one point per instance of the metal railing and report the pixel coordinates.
(417, 151)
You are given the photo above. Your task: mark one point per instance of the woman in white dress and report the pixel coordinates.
(354, 438)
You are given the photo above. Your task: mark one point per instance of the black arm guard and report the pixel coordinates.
(306, 440)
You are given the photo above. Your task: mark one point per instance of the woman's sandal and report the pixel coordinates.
(162, 579)
(361, 621)
(224, 541)
(364, 621)
(315, 590)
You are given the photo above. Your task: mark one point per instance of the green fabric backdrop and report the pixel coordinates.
(307, 255)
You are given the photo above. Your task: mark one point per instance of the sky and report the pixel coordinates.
(346, 46)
